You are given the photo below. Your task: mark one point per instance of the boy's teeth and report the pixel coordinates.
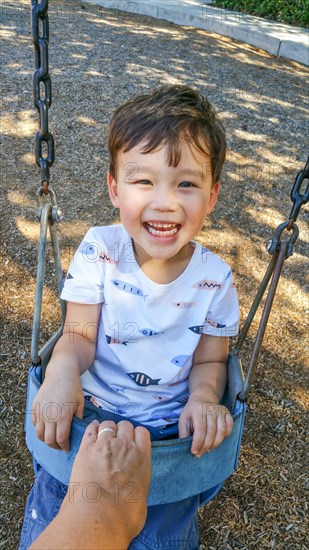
(159, 228)
(162, 225)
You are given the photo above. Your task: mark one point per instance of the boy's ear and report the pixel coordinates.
(214, 192)
(112, 190)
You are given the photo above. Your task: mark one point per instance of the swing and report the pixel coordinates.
(176, 473)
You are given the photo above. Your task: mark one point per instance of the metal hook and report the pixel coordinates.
(273, 244)
(56, 214)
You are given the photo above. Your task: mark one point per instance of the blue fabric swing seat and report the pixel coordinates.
(176, 473)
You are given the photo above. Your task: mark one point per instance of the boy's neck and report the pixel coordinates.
(162, 271)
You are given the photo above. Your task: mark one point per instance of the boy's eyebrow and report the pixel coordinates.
(188, 171)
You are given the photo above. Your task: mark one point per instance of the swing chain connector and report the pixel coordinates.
(273, 245)
(55, 214)
(298, 200)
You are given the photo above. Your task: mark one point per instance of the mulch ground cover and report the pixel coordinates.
(98, 59)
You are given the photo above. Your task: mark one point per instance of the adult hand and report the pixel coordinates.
(105, 506)
(115, 467)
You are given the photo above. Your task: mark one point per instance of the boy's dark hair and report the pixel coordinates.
(165, 117)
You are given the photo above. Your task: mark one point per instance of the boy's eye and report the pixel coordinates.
(186, 184)
(142, 182)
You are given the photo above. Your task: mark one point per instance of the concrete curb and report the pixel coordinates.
(275, 38)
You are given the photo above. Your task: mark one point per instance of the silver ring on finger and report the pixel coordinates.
(107, 430)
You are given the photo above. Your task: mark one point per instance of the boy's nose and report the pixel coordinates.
(164, 200)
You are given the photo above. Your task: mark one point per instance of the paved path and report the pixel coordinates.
(276, 38)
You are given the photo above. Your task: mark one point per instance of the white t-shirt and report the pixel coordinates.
(148, 332)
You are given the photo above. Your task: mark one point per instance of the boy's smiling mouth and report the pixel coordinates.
(162, 229)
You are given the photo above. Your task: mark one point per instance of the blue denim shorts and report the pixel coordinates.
(168, 526)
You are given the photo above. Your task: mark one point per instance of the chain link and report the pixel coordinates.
(42, 97)
(298, 199)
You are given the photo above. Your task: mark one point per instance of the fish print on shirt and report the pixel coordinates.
(121, 411)
(228, 275)
(149, 332)
(183, 305)
(112, 340)
(180, 360)
(161, 398)
(182, 400)
(127, 287)
(214, 324)
(171, 417)
(198, 329)
(69, 276)
(89, 251)
(118, 389)
(207, 284)
(142, 379)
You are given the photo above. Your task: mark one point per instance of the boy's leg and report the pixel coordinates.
(170, 527)
(42, 506)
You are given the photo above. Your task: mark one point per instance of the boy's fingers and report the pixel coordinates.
(198, 440)
(199, 426)
(224, 429)
(80, 410)
(64, 424)
(229, 425)
(220, 434)
(211, 430)
(34, 415)
(40, 429)
(63, 431)
(50, 435)
(184, 427)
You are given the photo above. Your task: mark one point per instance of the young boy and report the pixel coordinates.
(149, 309)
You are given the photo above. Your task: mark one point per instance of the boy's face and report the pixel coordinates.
(163, 207)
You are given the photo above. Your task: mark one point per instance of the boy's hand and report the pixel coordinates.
(209, 422)
(57, 401)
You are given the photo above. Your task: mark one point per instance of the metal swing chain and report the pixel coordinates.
(40, 38)
(48, 212)
(280, 250)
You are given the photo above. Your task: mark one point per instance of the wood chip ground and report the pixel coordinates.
(98, 59)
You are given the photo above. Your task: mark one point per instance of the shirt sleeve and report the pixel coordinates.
(223, 314)
(84, 283)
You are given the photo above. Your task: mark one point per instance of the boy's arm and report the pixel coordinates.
(203, 415)
(61, 396)
(76, 347)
